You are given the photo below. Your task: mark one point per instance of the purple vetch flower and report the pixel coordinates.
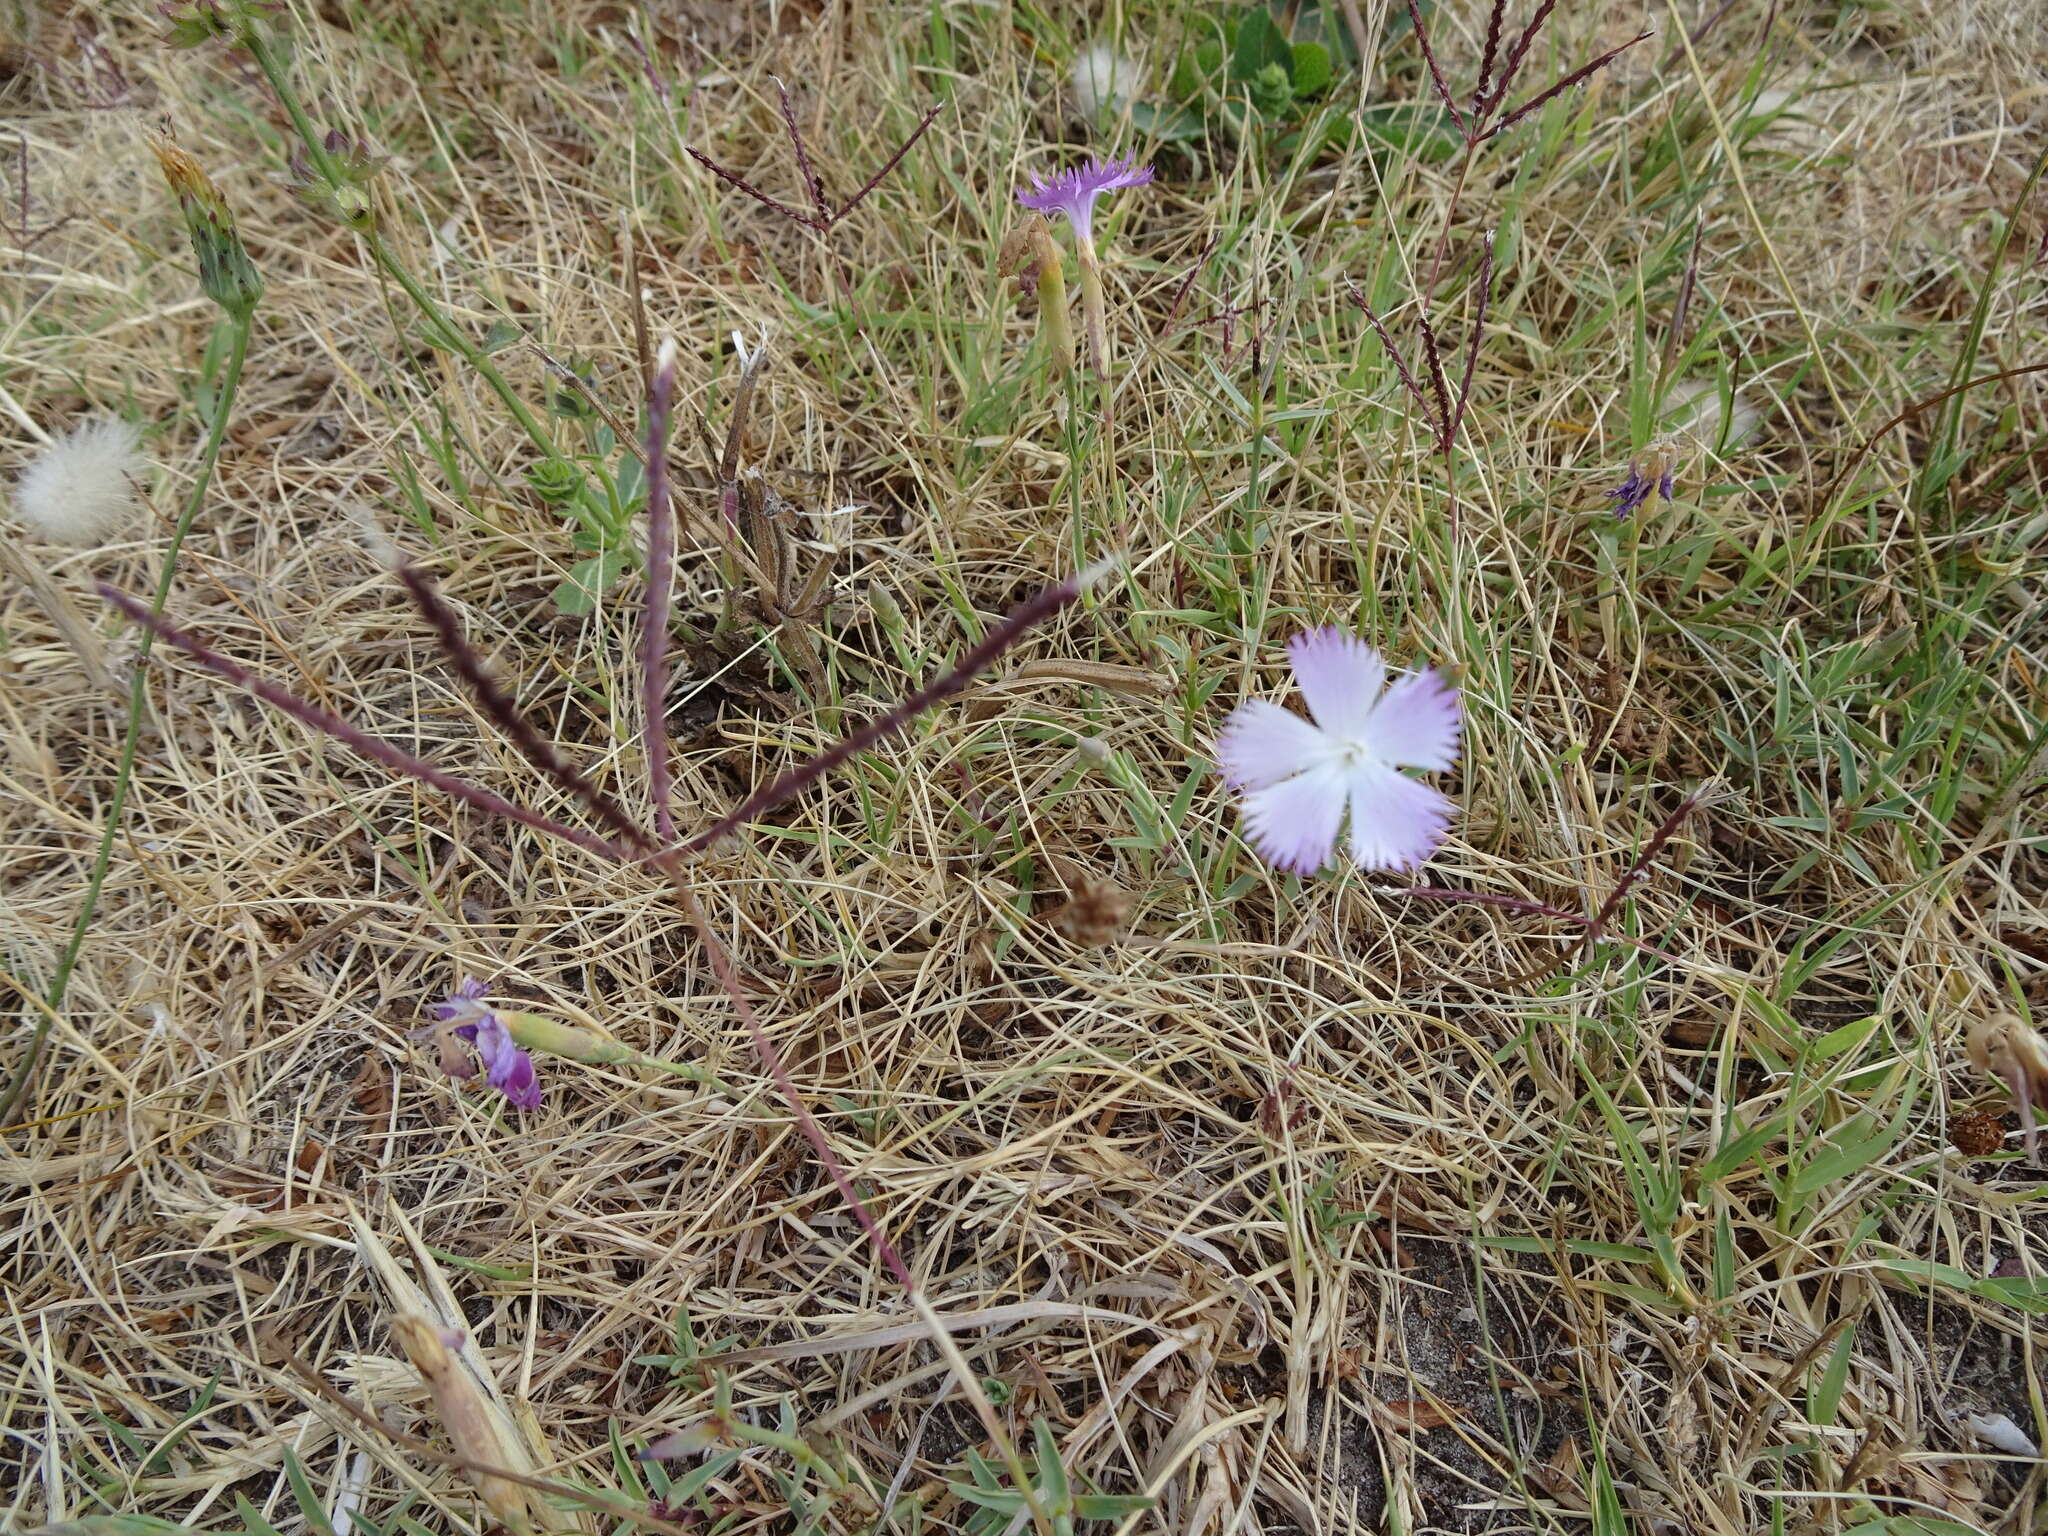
(1303, 779)
(507, 1068)
(1654, 471)
(1073, 191)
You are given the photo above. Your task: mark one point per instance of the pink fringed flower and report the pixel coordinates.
(1073, 192)
(1302, 779)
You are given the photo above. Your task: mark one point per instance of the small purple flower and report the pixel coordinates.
(465, 1002)
(507, 1068)
(1302, 778)
(1653, 470)
(1073, 191)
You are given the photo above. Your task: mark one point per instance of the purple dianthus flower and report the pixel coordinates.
(1073, 191)
(1654, 470)
(507, 1068)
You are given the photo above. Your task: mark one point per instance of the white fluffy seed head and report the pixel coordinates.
(1104, 79)
(80, 489)
(1693, 407)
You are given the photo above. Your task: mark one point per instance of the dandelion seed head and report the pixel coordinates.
(80, 489)
(1694, 408)
(1103, 80)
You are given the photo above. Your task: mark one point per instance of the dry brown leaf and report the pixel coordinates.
(1415, 1415)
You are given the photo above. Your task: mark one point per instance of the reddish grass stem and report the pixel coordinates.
(827, 216)
(376, 748)
(1533, 908)
(778, 1071)
(1032, 611)
(661, 576)
(498, 704)
(1638, 870)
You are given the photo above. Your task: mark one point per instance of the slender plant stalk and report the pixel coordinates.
(375, 748)
(138, 698)
(661, 574)
(323, 162)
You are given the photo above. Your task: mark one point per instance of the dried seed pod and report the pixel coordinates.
(2006, 1047)
(473, 1426)
(1976, 1135)
(1094, 912)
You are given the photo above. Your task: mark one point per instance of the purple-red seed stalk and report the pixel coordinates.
(1533, 908)
(803, 156)
(376, 748)
(1400, 363)
(1637, 871)
(827, 216)
(501, 709)
(1032, 611)
(1543, 98)
(661, 575)
(1472, 347)
(533, 746)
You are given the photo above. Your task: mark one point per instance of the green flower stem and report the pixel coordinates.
(138, 695)
(323, 162)
(1094, 313)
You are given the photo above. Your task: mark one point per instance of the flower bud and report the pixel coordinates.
(474, 1426)
(226, 273)
(193, 22)
(1033, 255)
(555, 1038)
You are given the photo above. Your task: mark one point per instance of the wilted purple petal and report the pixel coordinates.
(462, 1002)
(1073, 191)
(506, 1067)
(1340, 676)
(1629, 496)
(1415, 725)
(1261, 744)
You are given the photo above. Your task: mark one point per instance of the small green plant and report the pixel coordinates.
(1243, 73)
(996, 1508)
(688, 1353)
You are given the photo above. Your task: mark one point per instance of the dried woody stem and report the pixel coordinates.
(661, 563)
(1446, 413)
(519, 730)
(376, 748)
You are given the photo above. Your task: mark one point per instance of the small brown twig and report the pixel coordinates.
(25, 238)
(376, 748)
(1533, 908)
(1446, 412)
(1031, 612)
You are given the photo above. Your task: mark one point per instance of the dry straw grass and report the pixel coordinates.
(1292, 1206)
